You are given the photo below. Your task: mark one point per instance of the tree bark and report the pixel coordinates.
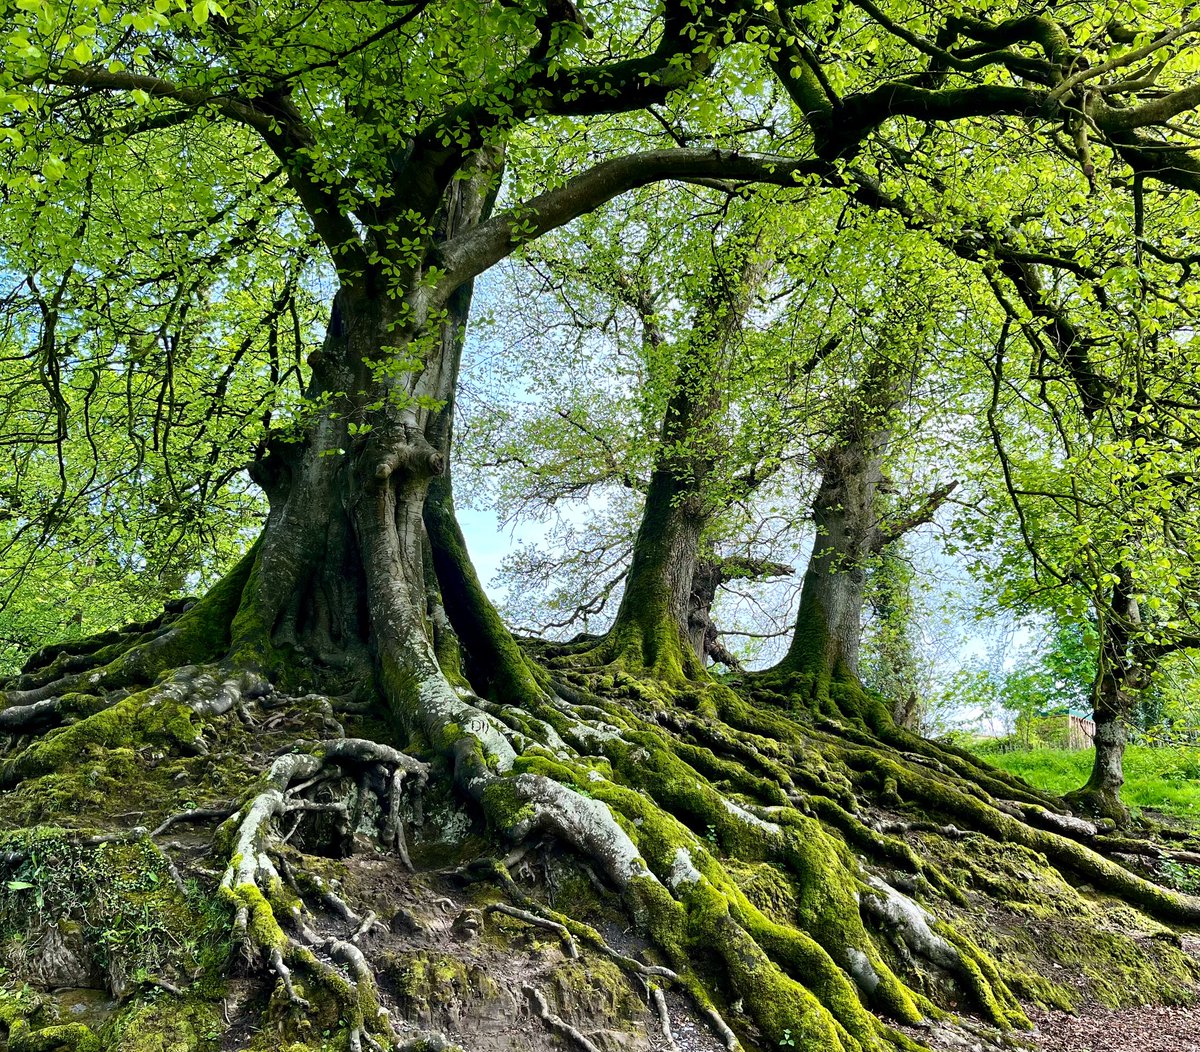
(652, 625)
(468, 632)
(651, 622)
(341, 573)
(828, 630)
(849, 528)
(1119, 675)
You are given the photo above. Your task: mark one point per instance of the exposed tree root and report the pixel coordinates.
(254, 888)
(776, 864)
(555, 1023)
(72, 680)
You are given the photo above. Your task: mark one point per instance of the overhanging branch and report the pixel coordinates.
(474, 251)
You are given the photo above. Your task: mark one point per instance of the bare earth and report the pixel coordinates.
(1151, 1029)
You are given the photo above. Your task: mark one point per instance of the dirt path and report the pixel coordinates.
(1151, 1029)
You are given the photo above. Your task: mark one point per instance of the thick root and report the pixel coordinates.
(799, 879)
(255, 890)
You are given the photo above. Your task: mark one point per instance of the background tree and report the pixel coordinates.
(892, 665)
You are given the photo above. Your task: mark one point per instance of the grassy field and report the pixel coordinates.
(1165, 779)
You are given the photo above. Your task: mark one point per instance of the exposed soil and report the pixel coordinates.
(1146, 1029)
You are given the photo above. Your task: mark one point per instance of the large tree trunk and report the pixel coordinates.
(828, 631)
(468, 632)
(341, 571)
(1118, 677)
(847, 518)
(851, 529)
(652, 626)
(651, 623)
(1102, 793)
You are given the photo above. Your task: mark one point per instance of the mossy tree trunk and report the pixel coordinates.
(852, 526)
(828, 630)
(652, 627)
(1119, 676)
(471, 640)
(846, 515)
(340, 572)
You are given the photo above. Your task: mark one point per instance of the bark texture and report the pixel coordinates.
(653, 623)
(1119, 676)
(853, 527)
(847, 517)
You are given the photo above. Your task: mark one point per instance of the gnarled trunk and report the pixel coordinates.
(341, 570)
(852, 528)
(829, 623)
(1102, 793)
(1118, 676)
(468, 632)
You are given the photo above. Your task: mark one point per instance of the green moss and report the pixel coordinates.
(1057, 943)
(65, 1037)
(543, 762)
(431, 987)
(778, 1004)
(504, 806)
(497, 667)
(142, 719)
(21, 1004)
(594, 989)
(261, 925)
(247, 624)
(767, 888)
(165, 1023)
(987, 985)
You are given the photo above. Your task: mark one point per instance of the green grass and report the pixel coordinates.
(1166, 779)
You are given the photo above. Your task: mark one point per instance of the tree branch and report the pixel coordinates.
(474, 251)
(921, 514)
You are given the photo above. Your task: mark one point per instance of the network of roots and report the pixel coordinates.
(768, 863)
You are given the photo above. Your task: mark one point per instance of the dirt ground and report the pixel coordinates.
(1150, 1029)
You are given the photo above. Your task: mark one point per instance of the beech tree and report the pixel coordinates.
(1097, 527)
(794, 866)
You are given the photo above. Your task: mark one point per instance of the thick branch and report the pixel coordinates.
(920, 515)
(473, 252)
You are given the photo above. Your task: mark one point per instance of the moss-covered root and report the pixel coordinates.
(67, 1037)
(255, 891)
(158, 715)
(621, 797)
(200, 634)
(940, 796)
(681, 896)
(915, 930)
